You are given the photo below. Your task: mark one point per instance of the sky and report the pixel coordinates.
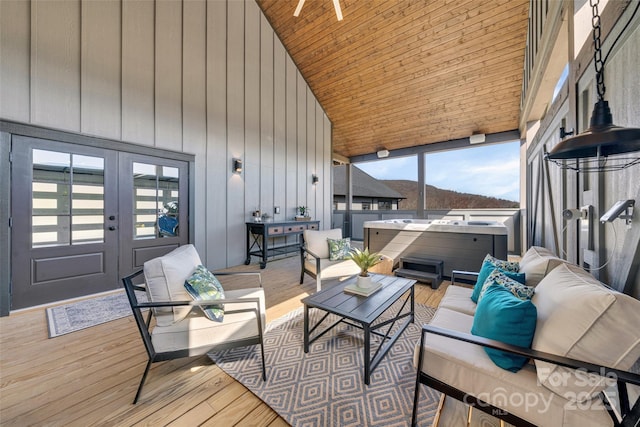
(491, 170)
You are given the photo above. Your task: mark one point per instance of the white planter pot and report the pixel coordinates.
(364, 282)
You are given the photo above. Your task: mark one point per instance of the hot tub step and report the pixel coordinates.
(423, 269)
(422, 276)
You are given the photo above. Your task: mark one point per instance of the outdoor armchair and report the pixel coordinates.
(314, 257)
(181, 328)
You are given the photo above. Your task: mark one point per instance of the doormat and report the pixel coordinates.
(75, 316)
(325, 386)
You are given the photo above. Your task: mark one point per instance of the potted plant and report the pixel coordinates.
(303, 213)
(365, 260)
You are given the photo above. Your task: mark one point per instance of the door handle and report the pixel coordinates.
(111, 228)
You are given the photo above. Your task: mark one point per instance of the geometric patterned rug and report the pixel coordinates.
(325, 386)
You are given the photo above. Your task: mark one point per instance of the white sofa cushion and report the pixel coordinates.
(316, 240)
(580, 318)
(200, 334)
(467, 367)
(458, 298)
(536, 263)
(165, 277)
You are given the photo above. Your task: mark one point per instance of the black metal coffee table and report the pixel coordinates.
(362, 312)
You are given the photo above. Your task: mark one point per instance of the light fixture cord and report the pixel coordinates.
(597, 54)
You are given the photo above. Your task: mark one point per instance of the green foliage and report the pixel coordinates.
(304, 211)
(364, 259)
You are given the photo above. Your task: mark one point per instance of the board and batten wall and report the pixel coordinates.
(614, 255)
(205, 77)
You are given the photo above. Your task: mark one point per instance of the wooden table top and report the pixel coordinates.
(359, 308)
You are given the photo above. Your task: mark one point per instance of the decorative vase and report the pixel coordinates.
(364, 282)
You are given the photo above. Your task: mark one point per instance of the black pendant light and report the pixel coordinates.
(603, 138)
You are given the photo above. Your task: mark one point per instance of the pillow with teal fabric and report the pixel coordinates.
(339, 248)
(514, 282)
(204, 286)
(502, 316)
(488, 265)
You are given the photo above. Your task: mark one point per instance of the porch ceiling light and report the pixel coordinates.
(603, 138)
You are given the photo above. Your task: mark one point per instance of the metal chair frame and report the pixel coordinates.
(630, 415)
(145, 333)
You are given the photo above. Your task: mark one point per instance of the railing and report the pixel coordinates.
(545, 18)
(352, 223)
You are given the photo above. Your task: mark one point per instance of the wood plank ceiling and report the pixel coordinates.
(403, 73)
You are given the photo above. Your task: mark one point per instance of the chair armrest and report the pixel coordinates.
(160, 304)
(201, 303)
(239, 273)
(625, 376)
(227, 301)
(311, 253)
(316, 259)
(205, 304)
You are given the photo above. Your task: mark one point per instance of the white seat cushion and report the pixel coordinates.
(332, 269)
(199, 334)
(458, 298)
(580, 318)
(467, 367)
(536, 263)
(165, 277)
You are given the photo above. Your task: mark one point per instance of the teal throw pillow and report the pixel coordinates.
(203, 286)
(502, 316)
(488, 265)
(339, 248)
(512, 281)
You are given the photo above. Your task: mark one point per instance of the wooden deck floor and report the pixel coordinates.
(90, 377)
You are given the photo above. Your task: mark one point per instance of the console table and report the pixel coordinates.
(260, 233)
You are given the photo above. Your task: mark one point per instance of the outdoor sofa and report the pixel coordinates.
(580, 323)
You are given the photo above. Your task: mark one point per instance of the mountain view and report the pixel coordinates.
(438, 198)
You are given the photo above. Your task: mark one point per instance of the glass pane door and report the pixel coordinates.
(64, 210)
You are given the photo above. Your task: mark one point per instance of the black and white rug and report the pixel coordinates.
(78, 315)
(325, 387)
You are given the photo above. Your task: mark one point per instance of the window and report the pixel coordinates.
(366, 206)
(67, 199)
(394, 180)
(156, 201)
(487, 176)
(384, 205)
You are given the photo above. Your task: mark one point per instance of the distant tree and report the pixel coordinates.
(438, 198)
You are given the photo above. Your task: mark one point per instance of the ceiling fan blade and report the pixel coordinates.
(336, 5)
(298, 8)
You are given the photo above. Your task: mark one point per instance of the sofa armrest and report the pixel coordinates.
(620, 375)
(630, 416)
(455, 273)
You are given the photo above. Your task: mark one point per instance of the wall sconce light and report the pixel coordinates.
(237, 166)
(477, 138)
(617, 209)
(314, 179)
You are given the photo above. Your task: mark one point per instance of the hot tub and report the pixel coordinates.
(461, 245)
